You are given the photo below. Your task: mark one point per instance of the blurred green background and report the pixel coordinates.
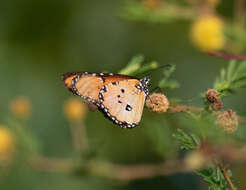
(42, 39)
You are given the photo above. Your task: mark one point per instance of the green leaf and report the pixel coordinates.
(166, 82)
(133, 65)
(136, 66)
(231, 79)
(187, 142)
(214, 178)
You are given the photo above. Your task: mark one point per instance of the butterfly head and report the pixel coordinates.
(144, 84)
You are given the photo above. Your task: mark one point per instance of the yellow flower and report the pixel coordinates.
(207, 33)
(21, 107)
(74, 109)
(7, 144)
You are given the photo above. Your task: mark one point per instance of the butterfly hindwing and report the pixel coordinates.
(123, 102)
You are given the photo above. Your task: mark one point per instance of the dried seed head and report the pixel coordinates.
(157, 102)
(228, 120)
(212, 95)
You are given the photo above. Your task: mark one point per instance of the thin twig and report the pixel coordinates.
(227, 55)
(47, 164)
(110, 170)
(190, 109)
(224, 172)
(134, 172)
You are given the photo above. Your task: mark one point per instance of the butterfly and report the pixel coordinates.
(120, 98)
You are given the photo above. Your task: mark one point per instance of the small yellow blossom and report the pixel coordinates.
(21, 107)
(74, 109)
(7, 144)
(207, 33)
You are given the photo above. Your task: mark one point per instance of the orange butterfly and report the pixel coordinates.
(121, 98)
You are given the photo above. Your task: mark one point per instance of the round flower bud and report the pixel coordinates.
(21, 107)
(157, 102)
(207, 33)
(228, 120)
(212, 95)
(74, 109)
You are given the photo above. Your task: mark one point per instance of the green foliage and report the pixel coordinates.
(166, 82)
(236, 34)
(136, 66)
(27, 144)
(211, 175)
(186, 141)
(231, 79)
(214, 178)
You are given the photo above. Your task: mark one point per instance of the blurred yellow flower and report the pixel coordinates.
(7, 144)
(74, 109)
(21, 107)
(194, 160)
(207, 33)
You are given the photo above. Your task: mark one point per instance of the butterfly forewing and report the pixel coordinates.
(67, 79)
(87, 85)
(122, 102)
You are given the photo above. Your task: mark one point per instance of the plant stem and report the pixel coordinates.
(224, 172)
(79, 136)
